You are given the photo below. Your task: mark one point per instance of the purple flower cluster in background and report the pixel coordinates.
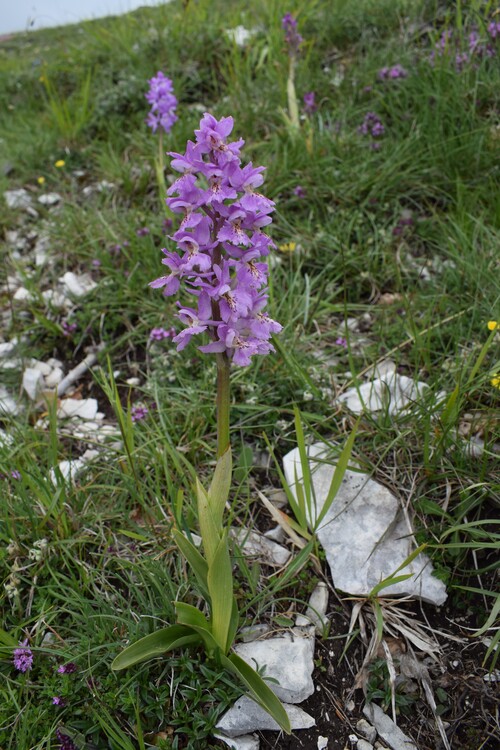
(158, 334)
(163, 103)
(477, 47)
(393, 73)
(372, 126)
(68, 668)
(292, 36)
(310, 105)
(221, 241)
(65, 742)
(23, 658)
(139, 413)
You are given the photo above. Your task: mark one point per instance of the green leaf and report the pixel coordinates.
(338, 475)
(218, 492)
(258, 689)
(196, 620)
(210, 531)
(306, 497)
(195, 560)
(220, 587)
(491, 619)
(233, 624)
(155, 645)
(6, 639)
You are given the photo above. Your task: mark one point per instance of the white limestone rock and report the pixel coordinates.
(33, 382)
(254, 544)
(69, 470)
(55, 377)
(78, 286)
(23, 295)
(364, 534)
(7, 403)
(391, 393)
(49, 199)
(240, 35)
(246, 717)
(316, 610)
(390, 733)
(7, 348)
(17, 198)
(72, 407)
(288, 660)
(245, 742)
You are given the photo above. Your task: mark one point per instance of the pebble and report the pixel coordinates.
(17, 198)
(364, 745)
(366, 730)
(32, 382)
(49, 199)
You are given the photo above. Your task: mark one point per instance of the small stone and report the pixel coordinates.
(387, 729)
(68, 469)
(246, 716)
(17, 198)
(7, 348)
(254, 632)
(366, 730)
(23, 295)
(7, 403)
(256, 545)
(285, 659)
(78, 286)
(276, 534)
(364, 745)
(5, 438)
(244, 742)
(32, 382)
(240, 35)
(55, 377)
(72, 407)
(49, 199)
(391, 393)
(316, 610)
(133, 381)
(42, 367)
(322, 743)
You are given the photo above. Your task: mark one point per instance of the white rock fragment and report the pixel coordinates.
(288, 660)
(42, 367)
(57, 299)
(17, 198)
(240, 35)
(245, 742)
(322, 742)
(5, 438)
(72, 407)
(391, 393)
(7, 403)
(256, 545)
(7, 348)
(78, 286)
(364, 745)
(33, 382)
(55, 377)
(23, 295)
(387, 729)
(364, 533)
(254, 632)
(49, 199)
(246, 716)
(316, 610)
(68, 469)
(366, 730)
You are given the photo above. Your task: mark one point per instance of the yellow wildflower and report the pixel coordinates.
(59, 163)
(495, 381)
(492, 325)
(288, 247)
(41, 180)
(42, 79)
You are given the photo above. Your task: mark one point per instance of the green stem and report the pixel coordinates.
(223, 392)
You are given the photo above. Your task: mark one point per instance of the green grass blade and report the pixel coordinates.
(338, 474)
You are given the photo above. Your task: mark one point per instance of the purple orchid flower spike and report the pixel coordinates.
(220, 242)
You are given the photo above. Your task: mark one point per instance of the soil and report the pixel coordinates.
(466, 693)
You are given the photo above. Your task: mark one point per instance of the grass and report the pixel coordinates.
(403, 237)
